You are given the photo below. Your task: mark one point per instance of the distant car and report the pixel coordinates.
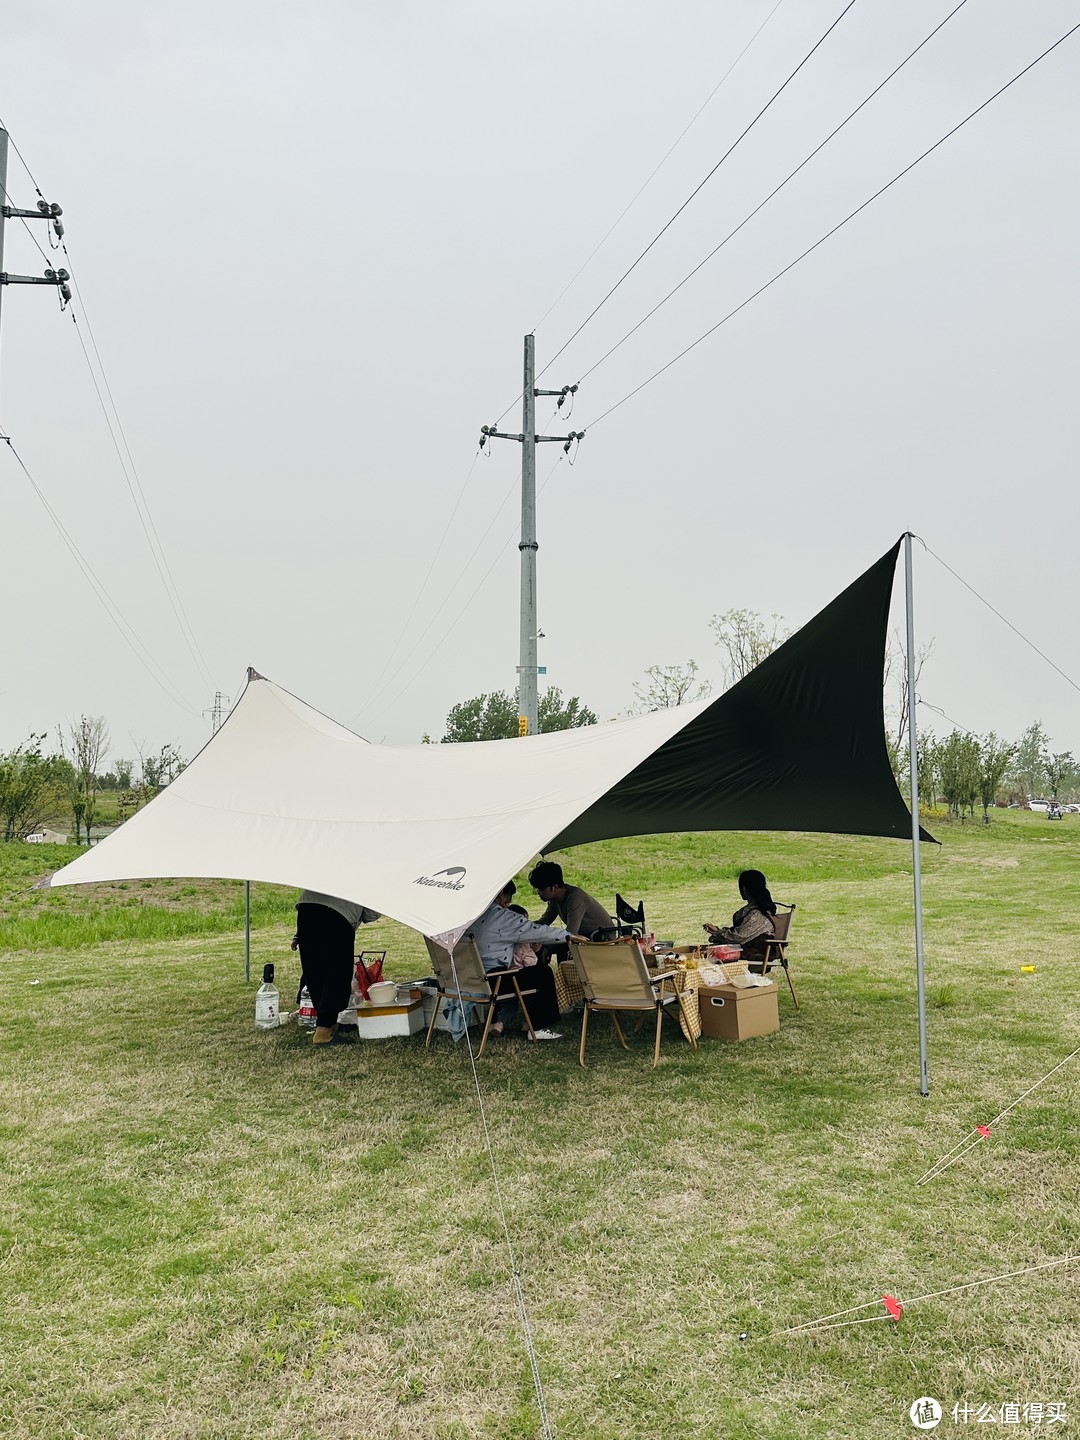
(1040, 805)
(1072, 809)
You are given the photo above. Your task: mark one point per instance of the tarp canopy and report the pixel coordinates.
(428, 833)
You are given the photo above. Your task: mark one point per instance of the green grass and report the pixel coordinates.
(207, 1231)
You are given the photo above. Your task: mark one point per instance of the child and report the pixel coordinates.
(525, 952)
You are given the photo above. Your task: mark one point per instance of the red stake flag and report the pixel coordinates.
(983, 1131)
(893, 1306)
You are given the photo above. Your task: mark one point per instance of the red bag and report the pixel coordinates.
(369, 968)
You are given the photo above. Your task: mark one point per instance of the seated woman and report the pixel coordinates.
(752, 923)
(496, 932)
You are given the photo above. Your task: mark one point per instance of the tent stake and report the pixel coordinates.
(247, 932)
(916, 857)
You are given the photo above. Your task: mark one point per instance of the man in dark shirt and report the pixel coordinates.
(576, 908)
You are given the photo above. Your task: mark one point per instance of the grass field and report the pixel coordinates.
(208, 1231)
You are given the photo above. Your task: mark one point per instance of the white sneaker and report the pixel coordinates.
(546, 1035)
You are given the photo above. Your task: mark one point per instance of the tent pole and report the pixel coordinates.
(247, 932)
(916, 857)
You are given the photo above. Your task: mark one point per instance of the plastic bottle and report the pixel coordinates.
(306, 1016)
(267, 1001)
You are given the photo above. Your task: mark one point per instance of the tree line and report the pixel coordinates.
(47, 782)
(961, 770)
(964, 770)
(744, 637)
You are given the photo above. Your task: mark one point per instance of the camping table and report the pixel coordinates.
(570, 993)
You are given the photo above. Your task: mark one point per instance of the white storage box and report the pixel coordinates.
(378, 1022)
(430, 1000)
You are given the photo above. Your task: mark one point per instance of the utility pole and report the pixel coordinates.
(44, 211)
(528, 699)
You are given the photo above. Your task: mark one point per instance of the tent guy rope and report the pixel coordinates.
(813, 1326)
(982, 1132)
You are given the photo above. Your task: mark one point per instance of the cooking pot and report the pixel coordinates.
(383, 992)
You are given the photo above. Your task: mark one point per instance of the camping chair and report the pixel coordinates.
(629, 921)
(465, 980)
(615, 977)
(776, 946)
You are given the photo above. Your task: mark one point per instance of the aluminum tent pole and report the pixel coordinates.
(916, 857)
(247, 931)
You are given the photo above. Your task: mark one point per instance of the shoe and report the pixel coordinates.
(322, 1035)
(497, 1028)
(546, 1035)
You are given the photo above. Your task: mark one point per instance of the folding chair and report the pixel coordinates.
(775, 952)
(615, 977)
(466, 981)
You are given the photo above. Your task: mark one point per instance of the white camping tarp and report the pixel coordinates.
(423, 833)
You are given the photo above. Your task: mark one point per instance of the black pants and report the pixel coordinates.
(543, 1007)
(327, 941)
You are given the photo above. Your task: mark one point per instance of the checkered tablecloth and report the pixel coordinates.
(569, 992)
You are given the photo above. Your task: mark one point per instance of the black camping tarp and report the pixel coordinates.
(798, 744)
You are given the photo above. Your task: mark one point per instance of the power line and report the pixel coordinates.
(139, 500)
(128, 633)
(652, 176)
(427, 577)
(462, 572)
(142, 508)
(772, 193)
(731, 148)
(378, 688)
(22, 218)
(829, 233)
(499, 552)
(1041, 654)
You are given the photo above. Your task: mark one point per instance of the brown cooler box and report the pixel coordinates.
(728, 1013)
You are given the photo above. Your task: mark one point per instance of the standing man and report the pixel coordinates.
(576, 908)
(326, 938)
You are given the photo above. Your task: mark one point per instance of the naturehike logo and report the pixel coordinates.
(451, 883)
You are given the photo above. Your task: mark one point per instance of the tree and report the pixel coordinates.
(495, 716)
(486, 717)
(994, 758)
(32, 787)
(894, 680)
(120, 776)
(958, 767)
(928, 761)
(668, 685)
(85, 745)
(155, 772)
(1057, 768)
(747, 639)
(555, 714)
(1029, 764)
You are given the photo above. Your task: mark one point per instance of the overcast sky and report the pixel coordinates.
(309, 241)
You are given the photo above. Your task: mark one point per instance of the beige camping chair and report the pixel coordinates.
(776, 946)
(615, 977)
(466, 981)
